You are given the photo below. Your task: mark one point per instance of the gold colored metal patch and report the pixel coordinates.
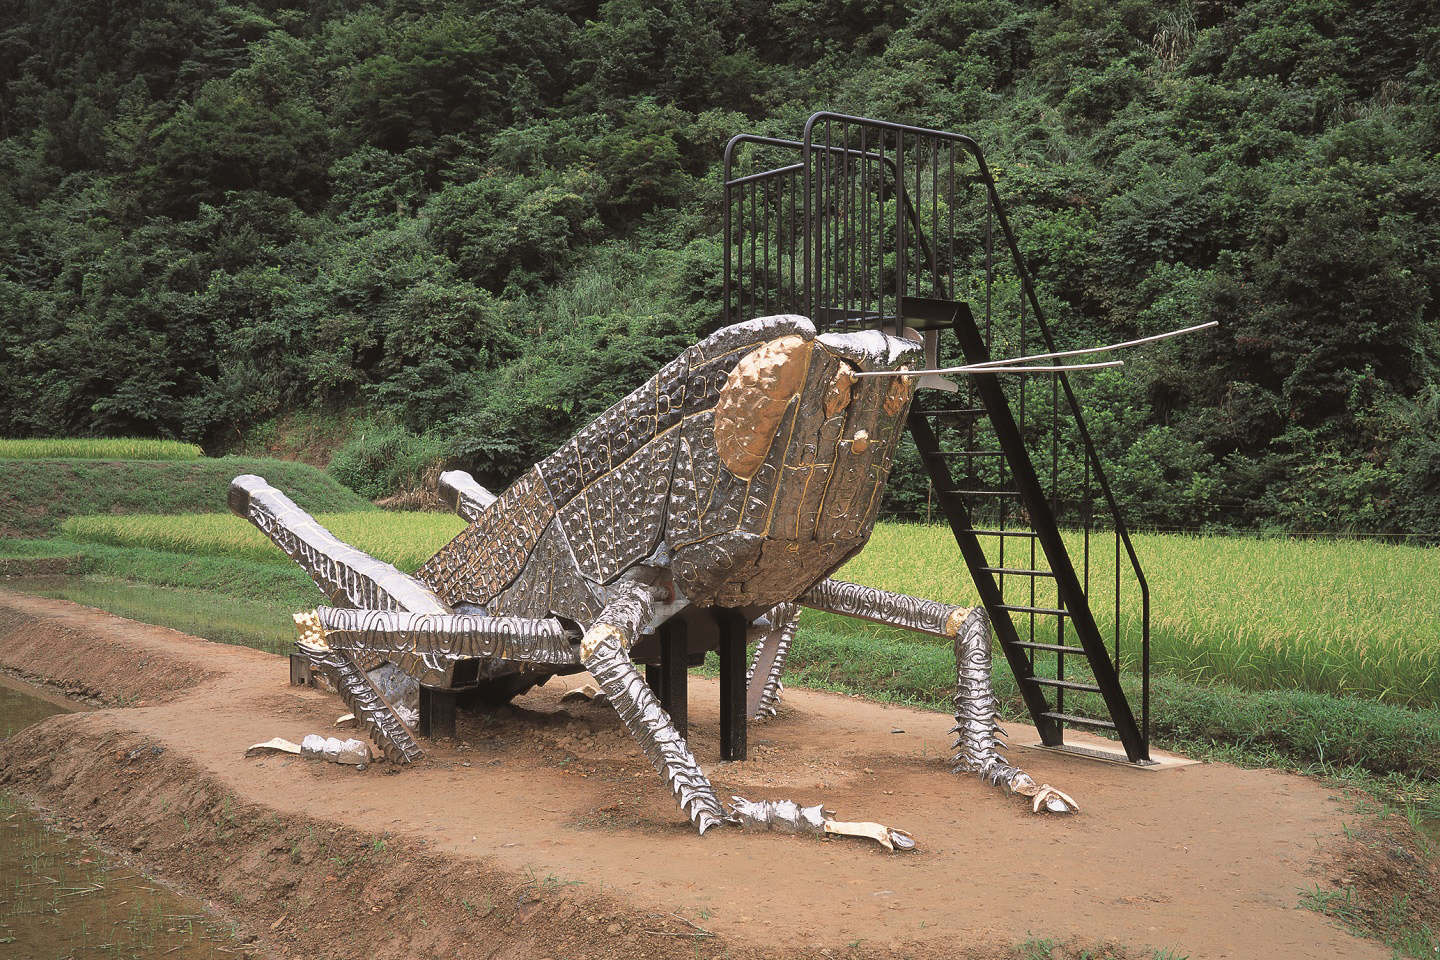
(955, 621)
(839, 396)
(901, 390)
(754, 399)
(311, 633)
(593, 637)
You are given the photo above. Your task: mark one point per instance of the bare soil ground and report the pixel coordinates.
(542, 832)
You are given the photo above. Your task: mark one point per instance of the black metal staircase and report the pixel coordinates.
(868, 224)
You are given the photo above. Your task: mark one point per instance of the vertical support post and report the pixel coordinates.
(301, 673)
(732, 626)
(437, 713)
(674, 652)
(655, 680)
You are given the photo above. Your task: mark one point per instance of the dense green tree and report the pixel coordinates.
(471, 225)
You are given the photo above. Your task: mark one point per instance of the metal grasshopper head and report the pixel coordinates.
(802, 448)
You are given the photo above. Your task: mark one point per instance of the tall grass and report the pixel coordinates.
(98, 448)
(1340, 617)
(263, 623)
(405, 539)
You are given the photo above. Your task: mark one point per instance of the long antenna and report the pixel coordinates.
(998, 366)
(995, 368)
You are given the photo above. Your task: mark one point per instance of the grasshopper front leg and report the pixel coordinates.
(976, 708)
(605, 651)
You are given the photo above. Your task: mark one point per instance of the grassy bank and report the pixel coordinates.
(282, 583)
(98, 448)
(37, 495)
(265, 624)
(404, 539)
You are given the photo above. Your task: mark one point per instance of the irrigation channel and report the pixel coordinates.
(62, 899)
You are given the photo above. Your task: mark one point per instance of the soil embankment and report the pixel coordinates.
(543, 832)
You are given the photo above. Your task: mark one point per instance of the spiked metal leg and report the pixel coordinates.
(977, 729)
(882, 606)
(349, 578)
(772, 635)
(605, 652)
(976, 708)
(372, 711)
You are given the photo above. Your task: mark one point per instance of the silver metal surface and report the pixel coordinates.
(977, 727)
(391, 734)
(465, 496)
(782, 816)
(740, 476)
(428, 645)
(605, 651)
(348, 577)
(772, 635)
(883, 606)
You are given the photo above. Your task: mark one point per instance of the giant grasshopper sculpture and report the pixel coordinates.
(740, 476)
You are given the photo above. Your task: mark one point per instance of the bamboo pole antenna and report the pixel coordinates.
(995, 368)
(999, 366)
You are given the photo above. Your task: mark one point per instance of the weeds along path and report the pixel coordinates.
(543, 832)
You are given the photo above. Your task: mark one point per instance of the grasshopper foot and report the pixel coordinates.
(784, 816)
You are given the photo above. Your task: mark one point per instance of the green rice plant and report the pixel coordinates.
(1340, 617)
(278, 582)
(1350, 618)
(265, 624)
(98, 448)
(405, 539)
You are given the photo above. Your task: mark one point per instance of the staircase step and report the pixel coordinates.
(1000, 533)
(1018, 572)
(1064, 684)
(1079, 721)
(1048, 611)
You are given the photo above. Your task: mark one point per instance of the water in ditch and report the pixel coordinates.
(62, 899)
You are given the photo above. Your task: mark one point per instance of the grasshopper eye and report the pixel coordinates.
(754, 399)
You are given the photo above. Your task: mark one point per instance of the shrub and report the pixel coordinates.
(380, 459)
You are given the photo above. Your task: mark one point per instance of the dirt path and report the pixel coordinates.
(543, 830)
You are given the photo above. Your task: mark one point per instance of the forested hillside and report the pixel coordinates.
(471, 226)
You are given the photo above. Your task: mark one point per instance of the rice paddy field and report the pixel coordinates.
(1348, 618)
(99, 448)
(1345, 617)
(405, 539)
